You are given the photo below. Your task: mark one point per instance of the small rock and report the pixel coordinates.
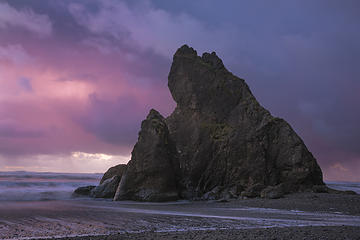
(85, 191)
(272, 192)
(253, 191)
(320, 189)
(349, 192)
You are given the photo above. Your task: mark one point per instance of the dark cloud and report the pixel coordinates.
(116, 122)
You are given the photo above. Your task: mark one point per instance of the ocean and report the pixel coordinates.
(344, 186)
(34, 205)
(42, 186)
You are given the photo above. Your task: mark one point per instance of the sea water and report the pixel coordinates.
(40, 186)
(345, 186)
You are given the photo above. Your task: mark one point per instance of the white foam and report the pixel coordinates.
(308, 218)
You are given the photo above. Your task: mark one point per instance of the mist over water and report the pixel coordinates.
(36, 186)
(42, 186)
(345, 186)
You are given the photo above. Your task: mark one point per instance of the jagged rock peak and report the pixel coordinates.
(153, 114)
(210, 58)
(185, 50)
(204, 85)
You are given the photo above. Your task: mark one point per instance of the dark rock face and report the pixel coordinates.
(85, 191)
(218, 143)
(224, 137)
(117, 170)
(151, 174)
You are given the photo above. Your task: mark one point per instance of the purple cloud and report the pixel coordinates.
(24, 18)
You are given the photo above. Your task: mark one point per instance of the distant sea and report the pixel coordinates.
(42, 186)
(344, 186)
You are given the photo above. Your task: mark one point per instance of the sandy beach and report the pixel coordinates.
(297, 216)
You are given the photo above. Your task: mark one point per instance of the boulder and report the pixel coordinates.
(152, 172)
(253, 191)
(273, 192)
(106, 189)
(214, 194)
(320, 189)
(85, 191)
(117, 170)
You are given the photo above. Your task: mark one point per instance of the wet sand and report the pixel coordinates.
(298, 216)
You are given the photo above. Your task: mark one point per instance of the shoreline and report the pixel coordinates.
(313, 214)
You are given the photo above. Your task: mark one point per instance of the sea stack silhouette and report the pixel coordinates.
(219, 142)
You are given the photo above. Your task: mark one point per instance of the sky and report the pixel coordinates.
(78, 77)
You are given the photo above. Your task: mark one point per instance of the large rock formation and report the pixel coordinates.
(219, 141)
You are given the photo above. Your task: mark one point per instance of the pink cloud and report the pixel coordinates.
(60, 103)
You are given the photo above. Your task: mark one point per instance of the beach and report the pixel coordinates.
(297, 216)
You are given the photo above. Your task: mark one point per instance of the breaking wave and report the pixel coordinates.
(35, 186)
(41, 186)
(344, 186)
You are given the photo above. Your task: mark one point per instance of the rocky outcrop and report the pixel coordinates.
(107, 189)
(151, 174)
(117, 170)
(108, 184)
(218, 143)
(224, 137)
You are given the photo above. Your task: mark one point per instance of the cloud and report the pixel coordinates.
(24, 18)
(116, 122)
(12, 129)
(342, 171)
(14, 53)
(25, 83)
(143, 26)
(74, 162)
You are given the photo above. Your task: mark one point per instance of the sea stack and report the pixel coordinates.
(218, 143)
